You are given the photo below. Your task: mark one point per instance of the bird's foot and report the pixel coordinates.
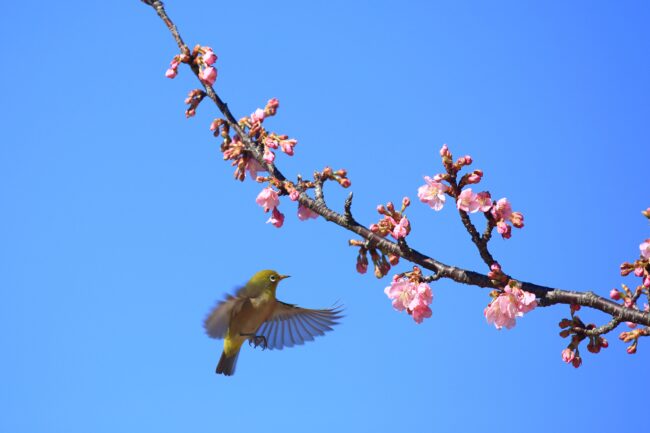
(258, 340)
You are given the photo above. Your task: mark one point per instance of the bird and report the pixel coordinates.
(255, 314)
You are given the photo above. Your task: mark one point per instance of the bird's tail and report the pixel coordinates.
(227, 364)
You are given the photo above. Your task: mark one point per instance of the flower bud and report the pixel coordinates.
(565, 323)
(615, 294)
(631, 349)
(577, 361)
(406, 202)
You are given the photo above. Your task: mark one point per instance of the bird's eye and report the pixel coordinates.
(272, 278)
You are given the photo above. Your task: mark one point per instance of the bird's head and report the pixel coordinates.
(266, 279)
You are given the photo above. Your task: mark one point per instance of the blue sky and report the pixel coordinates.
(121, 226)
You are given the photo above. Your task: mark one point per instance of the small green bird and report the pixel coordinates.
(256, 315)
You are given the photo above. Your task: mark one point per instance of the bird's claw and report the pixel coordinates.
(258, 340)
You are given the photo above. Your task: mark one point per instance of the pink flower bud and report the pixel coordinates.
(345, 183)
(517, 219)
(604, 343)
(209, 57)
(444, 151)
(294, 195)
(568, 355)
(171, 73)
(615, 294)
(645, 249)
(269, 156)
(631, 325)
(257, 116)
(638, 271)
(631, 349)
(208, 75)
(406, 202)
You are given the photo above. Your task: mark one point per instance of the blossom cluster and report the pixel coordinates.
(640, 268)
(410, 295)
(436, 189)
(204, 58)
(575, 328)
(508, 304)
(394, 223)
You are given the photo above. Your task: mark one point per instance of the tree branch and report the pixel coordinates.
(547, 295)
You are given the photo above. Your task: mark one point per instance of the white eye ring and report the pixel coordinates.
(272, 278)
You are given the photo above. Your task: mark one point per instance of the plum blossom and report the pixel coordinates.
(413, 297)
(208, 75)
(268, 199)
(467, 201)
(433, 193)
(645, 249)
(277, 218)
(304, 213)
(509, 305)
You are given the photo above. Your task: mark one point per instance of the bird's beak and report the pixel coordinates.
(282, 277)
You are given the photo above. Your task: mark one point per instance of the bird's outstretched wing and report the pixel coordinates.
(290, 325)
(217, 322)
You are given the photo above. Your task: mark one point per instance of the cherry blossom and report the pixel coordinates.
(433, 193)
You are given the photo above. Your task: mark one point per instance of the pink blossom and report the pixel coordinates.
(209, 57)
(421, 312)
(646, 281)
(288, 145)
(568, 355)
(444, 151)
(171, 73)
(433, 193)
(412, 297)
(294, 194)
(504, 229)
(502, 209)
(423, 296)
(639, 271)
(268, 199)
(484, 201)
(512, 303)
(631, 325)
(400, 229)
(277, 218)
(615, 294)
(401, 292)
(253, 167)
(258, 116)
(269, 156)
(467, 201)
(304, 213)
(645, 249)
(208, 75)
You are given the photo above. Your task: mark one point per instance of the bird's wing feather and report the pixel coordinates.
(290, 325)
(216, 324)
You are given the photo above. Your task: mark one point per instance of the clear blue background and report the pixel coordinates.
(121, 226)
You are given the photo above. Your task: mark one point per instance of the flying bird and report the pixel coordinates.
(254, 314)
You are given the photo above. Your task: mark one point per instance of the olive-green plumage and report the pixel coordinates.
(256, 315)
